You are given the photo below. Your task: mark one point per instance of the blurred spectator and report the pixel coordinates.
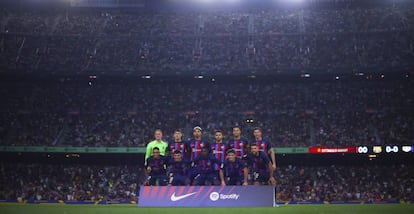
(340, 183)
(327, 40)
(326, 113)
(69, 182)
(297, 183)
(278, 40)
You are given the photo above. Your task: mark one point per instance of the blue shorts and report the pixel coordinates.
(193, 173)
(205, 179)
(234, 180)
(262, 178)
(157, 180)
(177, 180)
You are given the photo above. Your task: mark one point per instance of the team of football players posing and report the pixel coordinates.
(198, 162)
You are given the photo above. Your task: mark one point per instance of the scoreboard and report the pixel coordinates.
(383, 149)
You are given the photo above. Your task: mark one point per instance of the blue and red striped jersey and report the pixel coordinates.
(263, 145)
(158, 166)
(239, 146)
(195, 146)
(218, 150)
(182, 146)
(233, 169)
(179, 167)
(258, 163)
(206, 165)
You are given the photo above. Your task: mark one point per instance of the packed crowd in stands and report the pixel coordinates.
(165, 23)
(295, 183)
(339, 183)
(268, 41)
(330, 40)
(69, 182)
(292, 114)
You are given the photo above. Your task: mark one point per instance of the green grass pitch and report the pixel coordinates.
(133, 209)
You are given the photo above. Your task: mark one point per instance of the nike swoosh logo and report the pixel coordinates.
(177, 198)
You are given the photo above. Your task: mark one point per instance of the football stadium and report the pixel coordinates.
(206, 106)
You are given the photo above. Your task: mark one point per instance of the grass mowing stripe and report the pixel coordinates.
(133, 209)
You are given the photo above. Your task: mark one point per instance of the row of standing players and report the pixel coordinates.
(198, 162)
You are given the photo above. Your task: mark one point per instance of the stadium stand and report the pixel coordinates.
(69, 182)
(63, 83)
(79, 182)
(258, 41)
(309, 113)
